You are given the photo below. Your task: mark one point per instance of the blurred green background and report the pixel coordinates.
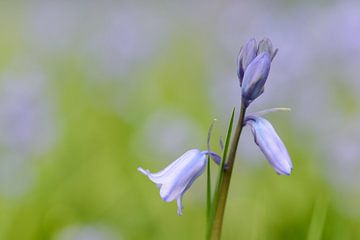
(90, 90)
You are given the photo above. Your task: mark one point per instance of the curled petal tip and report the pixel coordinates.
(283, 173)
(285, 170)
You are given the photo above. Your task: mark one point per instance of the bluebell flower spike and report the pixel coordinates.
(270, 144)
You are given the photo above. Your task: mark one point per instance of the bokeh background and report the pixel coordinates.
(90, 90)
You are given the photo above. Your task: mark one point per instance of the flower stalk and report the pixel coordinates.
(220, 201)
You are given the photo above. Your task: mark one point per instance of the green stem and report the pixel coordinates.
(225, 182)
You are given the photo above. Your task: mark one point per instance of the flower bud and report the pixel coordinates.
(246, 55)
(255, 77)
(270, 144)
(265, 45)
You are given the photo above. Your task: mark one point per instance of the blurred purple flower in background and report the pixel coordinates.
(27, 125)
(163, 125)
(26, 113)
(96, 231)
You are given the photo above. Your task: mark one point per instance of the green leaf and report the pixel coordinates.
(208, 197)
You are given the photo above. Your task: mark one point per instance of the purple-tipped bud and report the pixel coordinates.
(255, 77)
(270, 144)
(265, 45)
(246, 55)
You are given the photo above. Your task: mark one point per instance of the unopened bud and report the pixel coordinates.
(246, 55)
(265, 45)
(255, 77)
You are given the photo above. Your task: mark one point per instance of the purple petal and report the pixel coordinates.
(177, 178)
(270, 144)
(255, 77)
(246, 55)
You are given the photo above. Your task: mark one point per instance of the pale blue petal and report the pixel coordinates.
(245, 57)
(166, 174)
(182, 177)
(270, 144)
(177, 178)
(255, 77)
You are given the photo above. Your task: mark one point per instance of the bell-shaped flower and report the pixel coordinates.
(255, 77)
(270, 144)
(246, 55)
(177, 178)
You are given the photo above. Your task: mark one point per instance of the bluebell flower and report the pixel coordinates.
(254, 62)
(270, 144)
(249, 51)
(255, 77)
(177, 178)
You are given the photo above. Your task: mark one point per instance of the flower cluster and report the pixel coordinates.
(254, 63)
(253, 68)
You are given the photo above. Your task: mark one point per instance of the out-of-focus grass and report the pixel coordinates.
(318, 220)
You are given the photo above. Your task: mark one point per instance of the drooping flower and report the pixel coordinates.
(270, 144)
(177, 178)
